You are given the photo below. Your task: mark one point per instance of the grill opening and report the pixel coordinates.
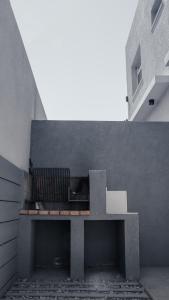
(79, 189)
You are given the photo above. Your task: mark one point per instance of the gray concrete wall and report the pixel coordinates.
(135, 156)
(154, 47)
(19, 98)
(10, 196)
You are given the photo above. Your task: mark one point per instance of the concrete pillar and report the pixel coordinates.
(77, 248)
(25, 247)
(131, 235)
(97, 179)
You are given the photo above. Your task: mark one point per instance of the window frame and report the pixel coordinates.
(137, 73)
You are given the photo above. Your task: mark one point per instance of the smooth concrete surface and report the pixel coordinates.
(19, 97)
(156, 281)
(135, 157)
(97, 188)
(132, 252)
(77, 248)
(154, 45)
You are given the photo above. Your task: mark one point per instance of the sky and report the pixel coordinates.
(76, 49)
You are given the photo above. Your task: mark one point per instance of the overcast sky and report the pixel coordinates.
(77, 53)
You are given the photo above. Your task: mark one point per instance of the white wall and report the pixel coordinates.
(19, 98)
(160, 111)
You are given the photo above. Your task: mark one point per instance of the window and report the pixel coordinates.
(137, 71)
(139, 74)
(156, 12)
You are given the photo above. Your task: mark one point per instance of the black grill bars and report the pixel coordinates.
(50, 184)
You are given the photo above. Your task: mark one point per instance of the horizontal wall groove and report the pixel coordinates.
(10, 279)
(10, 201)
(1, 267)
(8, 221)
(13, 182)
(9, 241)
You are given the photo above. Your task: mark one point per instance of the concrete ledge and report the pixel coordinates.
(155, 90)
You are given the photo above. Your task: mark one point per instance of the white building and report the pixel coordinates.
(20, 101)
(147, 62)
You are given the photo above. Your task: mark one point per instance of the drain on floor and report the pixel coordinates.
(74, 290)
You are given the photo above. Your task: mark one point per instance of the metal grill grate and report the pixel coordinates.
(50, 184)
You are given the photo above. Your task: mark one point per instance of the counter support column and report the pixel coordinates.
(77, 249)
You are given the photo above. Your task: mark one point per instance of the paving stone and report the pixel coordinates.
(74, 290)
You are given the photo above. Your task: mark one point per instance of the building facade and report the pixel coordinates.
(147, 62)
